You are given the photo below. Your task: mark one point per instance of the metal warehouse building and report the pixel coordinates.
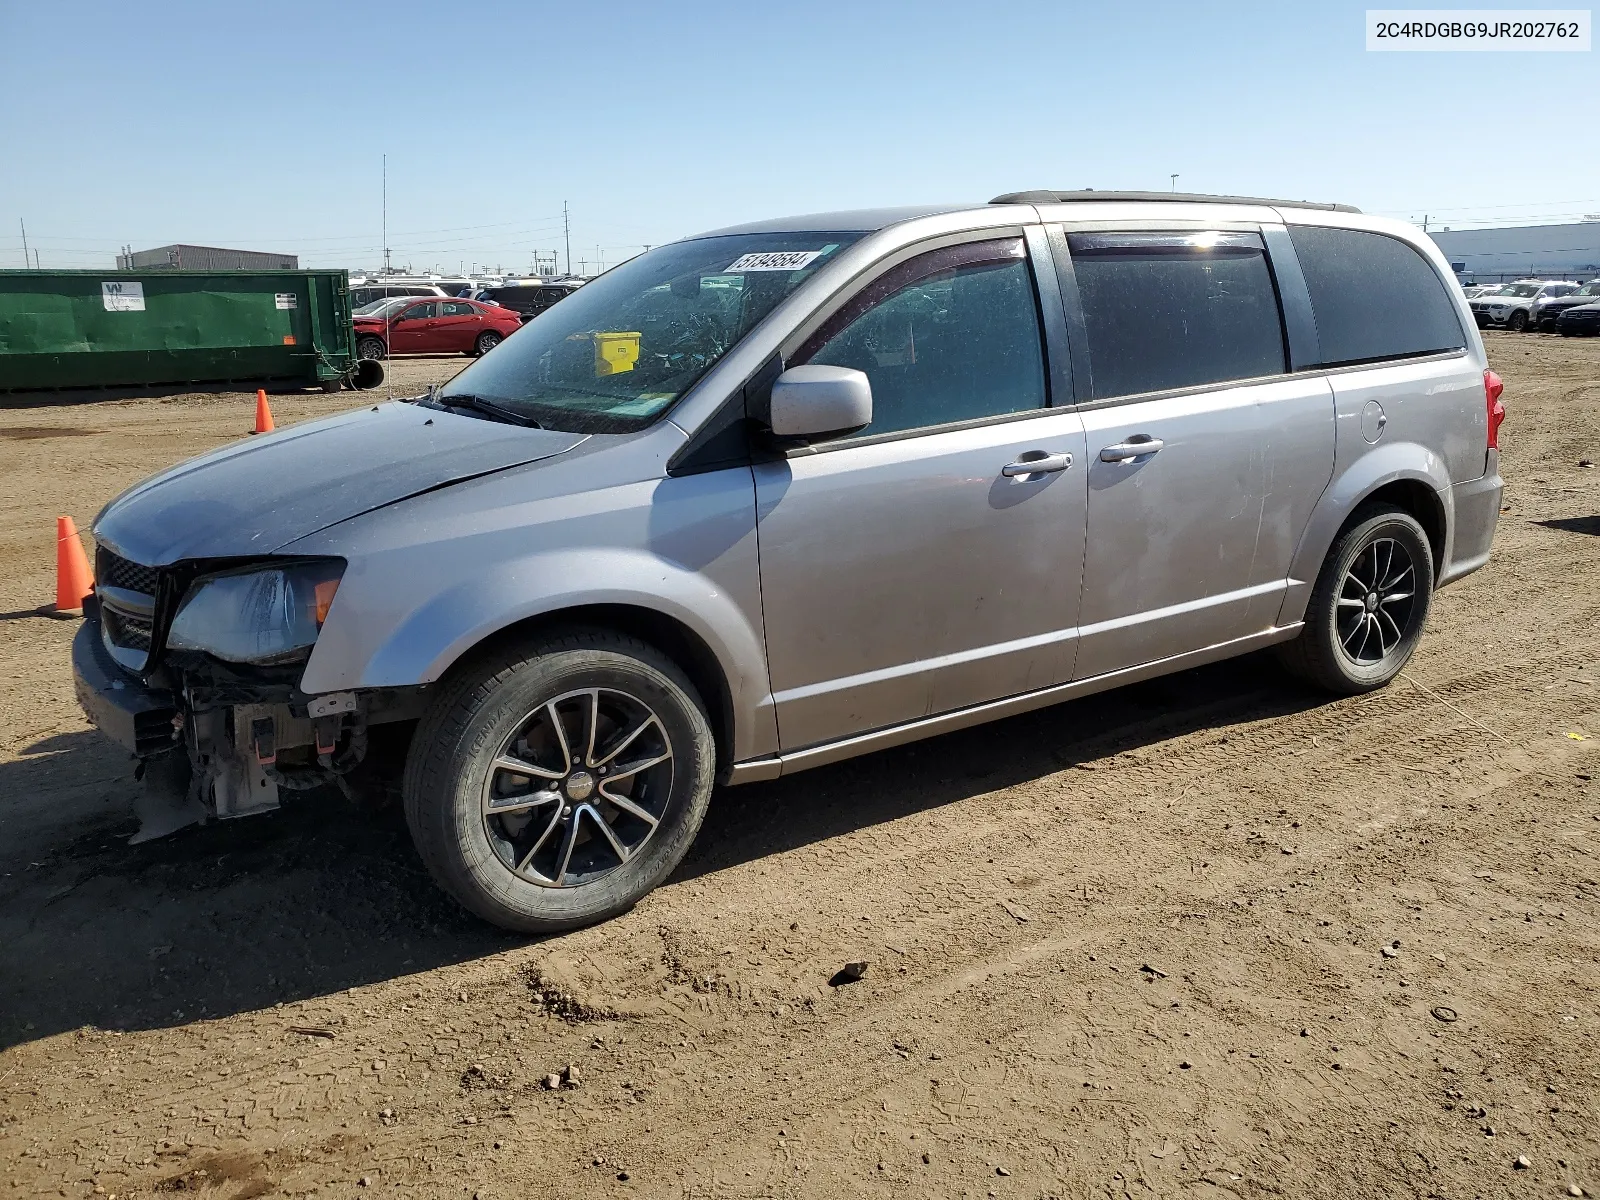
(1570, 251)
(205, 258)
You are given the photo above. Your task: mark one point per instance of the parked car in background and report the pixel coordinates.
(1547, 308)
(408, 326)
(779, 495)
(366, 293)
(1470, 290)
(1510, 306)
(1581, 320)
(527, 299)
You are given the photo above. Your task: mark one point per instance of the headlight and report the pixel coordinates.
(259, 615)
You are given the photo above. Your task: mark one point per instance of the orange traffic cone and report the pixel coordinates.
(263, 413)
(74, 577)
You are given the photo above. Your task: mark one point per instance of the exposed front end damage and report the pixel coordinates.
(214, 739)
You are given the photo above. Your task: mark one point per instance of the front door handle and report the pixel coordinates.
(1136, 447)
(1045, 464)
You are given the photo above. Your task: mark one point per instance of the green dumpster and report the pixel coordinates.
(66, 329)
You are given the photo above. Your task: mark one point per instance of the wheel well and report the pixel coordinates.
(1423, 503)
(668, 635)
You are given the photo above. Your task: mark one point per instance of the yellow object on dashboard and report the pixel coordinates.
(615, 353)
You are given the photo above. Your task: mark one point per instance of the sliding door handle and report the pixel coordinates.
(1136, 447)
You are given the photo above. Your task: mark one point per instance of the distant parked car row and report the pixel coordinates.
(1530, 303)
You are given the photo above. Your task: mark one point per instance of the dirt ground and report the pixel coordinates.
(1133, 945)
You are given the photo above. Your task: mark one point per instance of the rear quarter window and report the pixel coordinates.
(1374, 297)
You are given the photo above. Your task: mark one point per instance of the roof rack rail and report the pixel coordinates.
(1049, 197)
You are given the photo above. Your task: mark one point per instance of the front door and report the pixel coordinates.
(412, 331)
(1205, 457)
(920, 566)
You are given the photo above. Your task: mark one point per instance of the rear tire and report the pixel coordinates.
(487, 341)
(371, 347)
(1369, 605)
(526, 849)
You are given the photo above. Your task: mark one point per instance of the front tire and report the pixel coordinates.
(556, 782)
(1518, 321)
(1369, 605)
(371, 347)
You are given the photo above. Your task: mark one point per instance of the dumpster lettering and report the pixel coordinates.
(122, 296)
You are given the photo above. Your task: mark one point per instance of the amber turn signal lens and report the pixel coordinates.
(324, 598)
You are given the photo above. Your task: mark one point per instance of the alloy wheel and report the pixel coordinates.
(578, 788)
(1377, 601)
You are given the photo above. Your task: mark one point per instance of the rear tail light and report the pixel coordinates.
(1492, 387)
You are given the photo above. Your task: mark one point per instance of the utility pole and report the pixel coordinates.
(566, 228)
(386, 214)
(1174, 183)
(24, 226)
(1424, 222)
(36, 265)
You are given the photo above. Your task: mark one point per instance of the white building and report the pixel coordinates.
(1570, 251)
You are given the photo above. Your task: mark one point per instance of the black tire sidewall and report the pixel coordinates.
(1323, 611)
(456, 743)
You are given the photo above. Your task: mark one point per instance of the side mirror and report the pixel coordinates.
(810, 401)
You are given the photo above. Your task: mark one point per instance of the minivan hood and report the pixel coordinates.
(256, 496)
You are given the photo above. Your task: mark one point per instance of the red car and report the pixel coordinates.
(406, 325)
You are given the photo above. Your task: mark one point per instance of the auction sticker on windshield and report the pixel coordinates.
(775, 260)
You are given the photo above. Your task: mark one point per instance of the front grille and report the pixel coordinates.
(115, 571)
(128, 635)
(129, 631)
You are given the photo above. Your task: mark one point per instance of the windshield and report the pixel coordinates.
(618, 352)
(1589, 289)
(1518, 289)
(384, 308)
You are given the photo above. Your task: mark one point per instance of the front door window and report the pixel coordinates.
(949, 336)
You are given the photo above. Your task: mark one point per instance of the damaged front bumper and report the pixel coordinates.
(246, 733)
(120, 705)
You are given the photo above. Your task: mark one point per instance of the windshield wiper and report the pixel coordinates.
(487, 407)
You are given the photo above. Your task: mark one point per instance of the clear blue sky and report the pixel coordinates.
(262, 125)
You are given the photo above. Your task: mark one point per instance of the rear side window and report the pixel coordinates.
(1172, 310)
(1374, 296)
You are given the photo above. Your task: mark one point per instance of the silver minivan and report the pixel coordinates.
(795, 491)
